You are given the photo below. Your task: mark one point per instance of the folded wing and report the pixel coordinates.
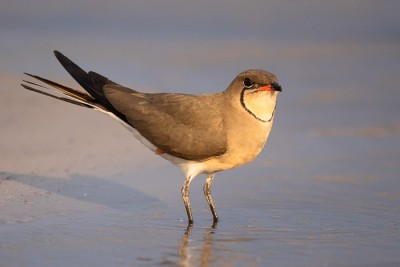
(178, 124)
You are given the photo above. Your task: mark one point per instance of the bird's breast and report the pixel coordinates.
(245, 142)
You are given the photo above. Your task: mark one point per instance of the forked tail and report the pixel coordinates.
(70, 95)
(92, 82)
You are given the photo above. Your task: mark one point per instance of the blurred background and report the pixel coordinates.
(335, 139)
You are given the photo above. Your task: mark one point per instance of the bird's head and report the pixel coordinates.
(256, 91)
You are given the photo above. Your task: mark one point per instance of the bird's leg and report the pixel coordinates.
(185, 197)
(207, 194)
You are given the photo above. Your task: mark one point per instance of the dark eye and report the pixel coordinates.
(247, 82)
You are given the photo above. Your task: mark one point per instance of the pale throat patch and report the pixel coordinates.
(260, 104)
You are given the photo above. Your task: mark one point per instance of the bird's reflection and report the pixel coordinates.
(205, 254)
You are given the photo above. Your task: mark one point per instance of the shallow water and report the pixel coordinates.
(303, 222)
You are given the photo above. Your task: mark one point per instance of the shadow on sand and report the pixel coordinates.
(88, 188)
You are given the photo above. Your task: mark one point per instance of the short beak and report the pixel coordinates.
(271, 87)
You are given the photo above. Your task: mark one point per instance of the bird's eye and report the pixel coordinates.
(247, 82)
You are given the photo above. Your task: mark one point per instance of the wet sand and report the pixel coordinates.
(265, 219)
(77, 189)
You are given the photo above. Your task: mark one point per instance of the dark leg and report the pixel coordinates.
(185, 197)
(207, 194)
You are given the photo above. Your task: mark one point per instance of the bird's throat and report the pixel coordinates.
(260, 104)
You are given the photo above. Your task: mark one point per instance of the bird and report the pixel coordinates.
(200, 133)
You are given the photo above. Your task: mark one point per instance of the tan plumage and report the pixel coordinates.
(199, 133)
(181, 123)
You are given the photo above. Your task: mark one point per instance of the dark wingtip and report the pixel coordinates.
(58, 55)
